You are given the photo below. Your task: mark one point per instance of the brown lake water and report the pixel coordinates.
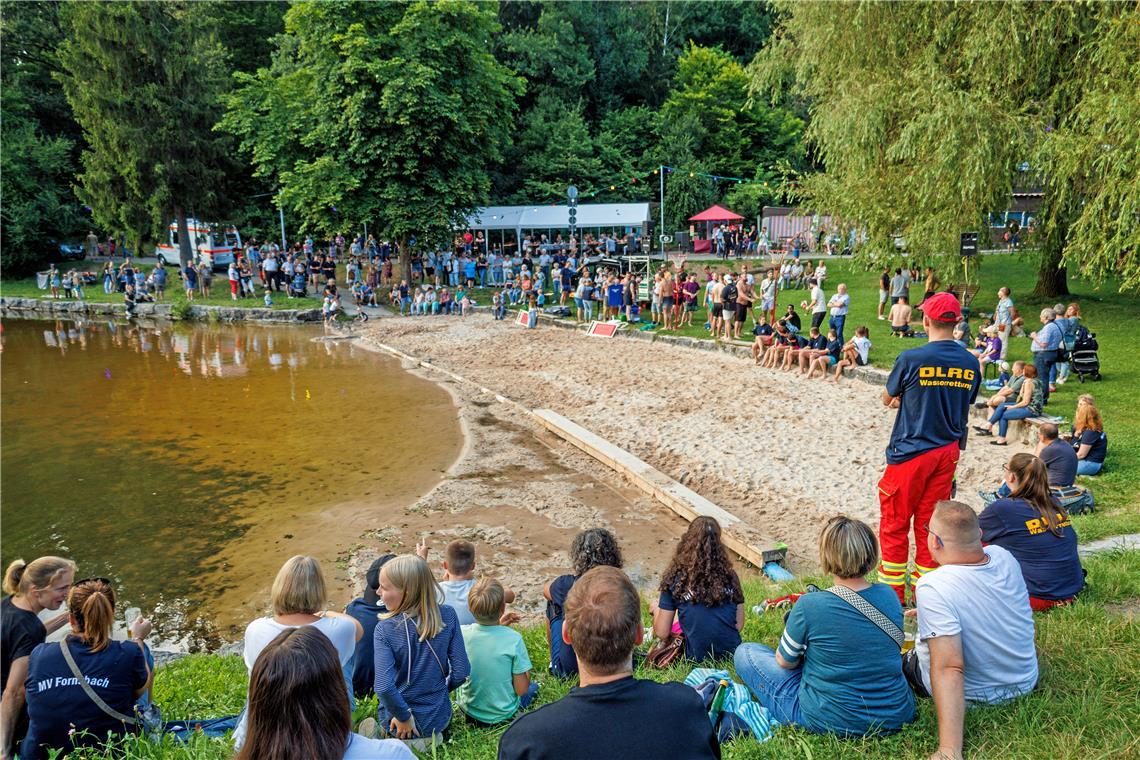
(187, 463)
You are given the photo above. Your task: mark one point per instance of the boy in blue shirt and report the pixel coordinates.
(499, 685)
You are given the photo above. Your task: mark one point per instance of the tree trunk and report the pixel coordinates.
(1052, 279)
(184, 251)
(405, 259)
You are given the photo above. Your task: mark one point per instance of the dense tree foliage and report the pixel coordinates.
(923, 113)
(379, 112)
(910, 119)
(38, 146)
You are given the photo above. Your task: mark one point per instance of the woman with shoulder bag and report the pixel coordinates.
(837, 669)
(82, 690)
(703, 591)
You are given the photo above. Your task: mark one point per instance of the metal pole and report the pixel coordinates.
(662, 232)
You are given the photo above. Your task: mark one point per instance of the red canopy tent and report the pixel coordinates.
(712, 214)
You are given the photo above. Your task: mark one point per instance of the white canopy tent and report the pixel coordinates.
(592, 217)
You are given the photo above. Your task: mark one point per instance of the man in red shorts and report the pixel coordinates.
(933, 387)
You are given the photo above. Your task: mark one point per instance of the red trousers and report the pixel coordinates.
(907, 494)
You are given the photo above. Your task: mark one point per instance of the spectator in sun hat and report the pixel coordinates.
(361, 669)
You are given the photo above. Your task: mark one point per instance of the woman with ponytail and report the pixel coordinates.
(1037, 532)
(65, 715)
(42, 585)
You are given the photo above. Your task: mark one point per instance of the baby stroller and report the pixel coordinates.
(1083, 359)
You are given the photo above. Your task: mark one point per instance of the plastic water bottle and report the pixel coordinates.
(718, 701)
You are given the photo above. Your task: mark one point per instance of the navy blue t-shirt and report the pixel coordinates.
(834, 348)
(1060, 462)
(937, 382)
(563, 661)
(709, 631)
(817, 343)
(764, 329)
(1049, 563)
(1097, 440)
(363, 659)
(56, 702)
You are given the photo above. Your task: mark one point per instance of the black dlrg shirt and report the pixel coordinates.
(20, 632)
(628, 719)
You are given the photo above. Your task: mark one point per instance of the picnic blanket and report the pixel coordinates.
(737, 701)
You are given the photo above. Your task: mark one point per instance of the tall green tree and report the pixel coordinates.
(923, 112)
(38, 139)
(144, 81)
(380, 112)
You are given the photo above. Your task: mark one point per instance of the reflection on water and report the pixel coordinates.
(188, 463)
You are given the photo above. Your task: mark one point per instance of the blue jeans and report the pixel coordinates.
(527, 699)
(1005, 412)
(836, 323)
(778, 689)
(1085, 467)
(405, 303)
(1044, 361)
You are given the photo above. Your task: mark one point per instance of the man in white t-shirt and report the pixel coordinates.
(975, 627)
(817, 305)
(768, 295)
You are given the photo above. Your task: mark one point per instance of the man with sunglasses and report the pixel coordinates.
(933, 387)
(975, 626)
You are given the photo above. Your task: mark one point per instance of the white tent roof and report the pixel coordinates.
(557, 217)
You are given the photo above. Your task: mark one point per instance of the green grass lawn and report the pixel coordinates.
(1084, 706)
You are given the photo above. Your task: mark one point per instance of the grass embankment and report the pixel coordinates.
(1084, 706)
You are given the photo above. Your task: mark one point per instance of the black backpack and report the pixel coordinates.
(728, 295)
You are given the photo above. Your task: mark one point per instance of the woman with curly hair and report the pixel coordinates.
(702, 589)
(591, 548)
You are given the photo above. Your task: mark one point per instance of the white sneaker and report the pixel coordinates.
(882, 317)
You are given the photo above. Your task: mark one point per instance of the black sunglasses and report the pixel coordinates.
(105, 581)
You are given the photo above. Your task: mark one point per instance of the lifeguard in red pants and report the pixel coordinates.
(933, 387)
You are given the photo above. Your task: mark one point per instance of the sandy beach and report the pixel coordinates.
(782, 453)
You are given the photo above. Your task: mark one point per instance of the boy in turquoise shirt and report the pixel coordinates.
(499, 685)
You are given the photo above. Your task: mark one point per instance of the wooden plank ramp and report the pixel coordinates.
(683, 501)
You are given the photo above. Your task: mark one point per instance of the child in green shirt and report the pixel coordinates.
(499, 685)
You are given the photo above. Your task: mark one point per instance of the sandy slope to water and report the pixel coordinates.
(782, 453)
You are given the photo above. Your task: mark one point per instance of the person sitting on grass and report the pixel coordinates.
(1089, 437)
(611, 714)
(366, 610)
(900, 318)
(829, 358)
(701, 588)
(458, 577)
(1058, 457)
(298, 709)
(1037, 532)
(500, 683)
(837, 668)
(590, 548)
(298, 598)
(975, 627)
(31, 588)
(1029, 403)
(420, 657)
(856, 353)
(62, 716)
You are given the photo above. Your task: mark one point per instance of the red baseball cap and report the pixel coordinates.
(943, 307)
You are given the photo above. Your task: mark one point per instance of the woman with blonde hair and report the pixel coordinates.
(420, 657)
(1089, 438)
(63, 714)
(31, 588)
(837, 669)
(299, 595)
(1037, 532)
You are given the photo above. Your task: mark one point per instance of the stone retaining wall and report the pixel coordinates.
(69, 309)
